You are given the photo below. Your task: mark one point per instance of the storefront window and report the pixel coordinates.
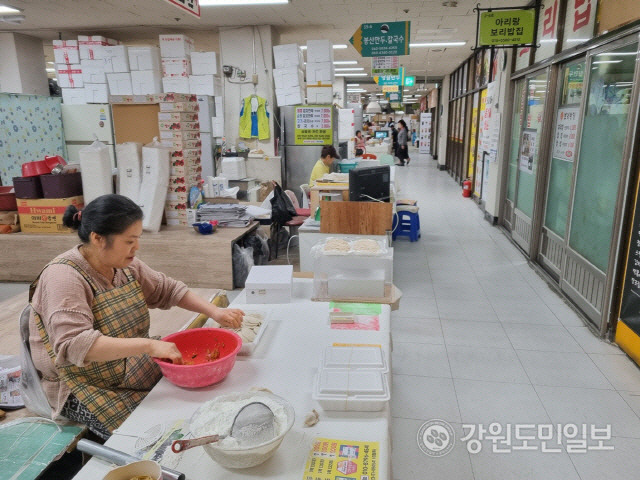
(516, 125)
(601, 148)
(530, 140)
(564, 148)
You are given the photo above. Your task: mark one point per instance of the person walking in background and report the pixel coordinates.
(414, 137)
(394, 140)
(402, 151)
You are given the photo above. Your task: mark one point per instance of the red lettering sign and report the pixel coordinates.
(549, 25)
(582, 14)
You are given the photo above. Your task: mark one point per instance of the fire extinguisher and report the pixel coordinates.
(466, 188)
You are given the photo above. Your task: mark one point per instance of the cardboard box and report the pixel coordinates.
(179, 126)
(74, 96)
(44, 215)
(323, 72)
(116, 59)
(288, 55)
(186, 153)
(179, 222)
(176, 67)
(175, 97)
(176, 85)
(179, 107)
(319, 51)
(69, 76)
(96, 92)
(289, 96)
(180, 143)
(144, 58)
(288, 77)
(92, 50)
(205, 85)
(172, 46)
(120, 83)
(204, 63)
(176, 209)
(320, 95)
(93, 71)
(180, 134)
(178, 116)
(186, 170)
(66, 51)
(146, 82)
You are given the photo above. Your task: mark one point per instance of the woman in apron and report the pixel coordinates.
(89, 324)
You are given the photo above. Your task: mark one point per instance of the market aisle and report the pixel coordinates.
(481, 338)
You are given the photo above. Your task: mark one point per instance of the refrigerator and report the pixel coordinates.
(207, 110)
(82, 123)
(301, 152)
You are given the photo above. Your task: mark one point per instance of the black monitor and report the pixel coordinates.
(382, 133)
(367, 184)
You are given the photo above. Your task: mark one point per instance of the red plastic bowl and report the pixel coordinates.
(32, 169)
(193, 344)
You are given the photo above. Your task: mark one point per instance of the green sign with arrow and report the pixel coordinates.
(382, 39)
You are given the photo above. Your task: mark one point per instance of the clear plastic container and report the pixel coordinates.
(354, 358)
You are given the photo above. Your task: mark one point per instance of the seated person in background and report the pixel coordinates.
(323, 165)
(359, 139)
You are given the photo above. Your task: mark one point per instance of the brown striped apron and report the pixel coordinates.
(110, 390)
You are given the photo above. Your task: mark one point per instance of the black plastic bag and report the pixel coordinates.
(282, 210)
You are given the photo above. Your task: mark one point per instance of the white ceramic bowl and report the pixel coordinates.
(245, 457)
(143, 467)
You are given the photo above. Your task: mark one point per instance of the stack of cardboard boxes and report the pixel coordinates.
(288, 75)
(178, 122)
(176, 62)
(68, 71)
(92, 64)
(320, 72)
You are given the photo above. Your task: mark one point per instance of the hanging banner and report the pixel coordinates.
(506, 27)
(425, 134)
(564, 144)
(397, 79)
(390, 88)
(382, 39)
(191, 6)
(548, 30)
(314, 125)
(580, 22)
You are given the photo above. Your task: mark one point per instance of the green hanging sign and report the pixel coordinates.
(506, 27)
(382, 39)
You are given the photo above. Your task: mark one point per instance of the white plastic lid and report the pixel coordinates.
(359, 358)
(342, 383)
(261, 276)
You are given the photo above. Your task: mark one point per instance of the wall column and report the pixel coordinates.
(443, 123)
(22, 65)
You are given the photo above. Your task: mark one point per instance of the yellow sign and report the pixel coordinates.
(314, 125)
(332, 459)
(390, 88)
(506, 27)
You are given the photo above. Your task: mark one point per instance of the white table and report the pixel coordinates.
(285, 361)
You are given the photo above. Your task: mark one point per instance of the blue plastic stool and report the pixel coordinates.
(407, 224)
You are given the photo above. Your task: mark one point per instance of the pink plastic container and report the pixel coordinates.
(194, 345)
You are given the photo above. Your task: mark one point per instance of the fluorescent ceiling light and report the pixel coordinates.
(607, 61)
(576, 40)
(4, 9)
(437, 44)
(353, 84)
(348, 69)
(351, 74)
(380, 94)
(51, 63)
(50, 69)
(230, 3)
(335, 47)
(345, 62)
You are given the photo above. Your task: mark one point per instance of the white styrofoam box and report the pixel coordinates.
(119, 83)
(178, 117)
(145, 82)
(289, 77)
(288, 55)
(176, 67)
(206, 155)
(93, 71)
(154, 185)
(97, 176)
(217, 127)
(116, 59)
(289, 96)
(69, 76)
(73, 96)
(269, 284)
(129, 156)
(204, 85)
(354, 358)
(172, 46)
(207, 110)
(319, 51)
(321, 95)
(351, 390)
(66, 51)
(204, 63)
(175, 84)
(234, 168)
(90, 46)
(144, 58)
(319, 72)
(371, 285)
(96, 92)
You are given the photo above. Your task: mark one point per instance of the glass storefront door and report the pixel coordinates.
(519, 100)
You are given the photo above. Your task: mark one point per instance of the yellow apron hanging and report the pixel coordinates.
(110, 390)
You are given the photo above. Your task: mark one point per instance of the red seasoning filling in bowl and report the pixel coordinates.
(198, 358)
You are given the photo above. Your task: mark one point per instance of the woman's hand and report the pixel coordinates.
(165, 350)
(229, 317)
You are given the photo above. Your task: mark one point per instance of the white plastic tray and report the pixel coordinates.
(354, 358)
(248, 347)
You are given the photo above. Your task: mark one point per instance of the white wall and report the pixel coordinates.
(444, 122)
(340, 92)
(236, 46)
(22, 65)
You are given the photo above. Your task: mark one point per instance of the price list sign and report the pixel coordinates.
(384, 66)
(314, 125)
(564, 142)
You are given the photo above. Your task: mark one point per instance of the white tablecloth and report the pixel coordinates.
(285, 361)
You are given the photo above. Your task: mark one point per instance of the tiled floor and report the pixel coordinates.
(480, 338)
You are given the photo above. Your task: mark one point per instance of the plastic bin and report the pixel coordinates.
(7, 199)
(346, 390)
(28, 187)
(61, 186)
(345, 167)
